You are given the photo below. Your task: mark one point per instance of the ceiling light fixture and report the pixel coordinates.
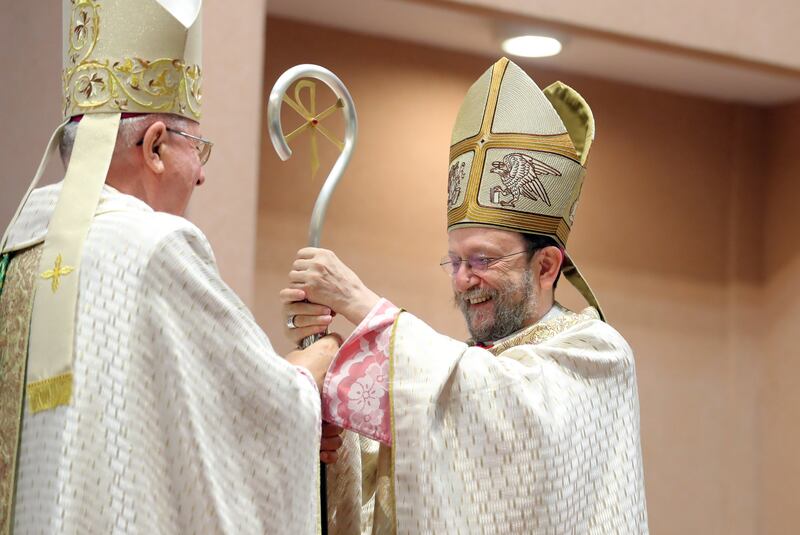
(532, 46)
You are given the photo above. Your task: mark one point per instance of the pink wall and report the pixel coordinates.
(226, 207)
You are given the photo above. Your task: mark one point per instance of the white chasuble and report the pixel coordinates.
(539, 434)
(182, 419)
(543, 438)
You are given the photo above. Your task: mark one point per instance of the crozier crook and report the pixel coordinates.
(276, 97)
(279, 140)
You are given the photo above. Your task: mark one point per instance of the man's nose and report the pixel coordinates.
(464, 278)
(202, 177)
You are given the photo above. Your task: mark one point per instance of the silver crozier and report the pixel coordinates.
(279, 141)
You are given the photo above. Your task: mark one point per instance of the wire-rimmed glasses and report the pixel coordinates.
(477, 263)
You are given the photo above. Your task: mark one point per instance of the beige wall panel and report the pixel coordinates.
(779, 489)
(225, 207)
(30, 96)
(667, 198)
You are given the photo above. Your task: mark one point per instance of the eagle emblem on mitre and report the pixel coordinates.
(520, 174)
(454, 183)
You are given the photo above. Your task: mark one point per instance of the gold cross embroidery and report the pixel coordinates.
(56, 273)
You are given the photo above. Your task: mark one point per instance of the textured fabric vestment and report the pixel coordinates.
(182, 419)
(541, 435)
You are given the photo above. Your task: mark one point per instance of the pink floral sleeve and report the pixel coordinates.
(355, 394)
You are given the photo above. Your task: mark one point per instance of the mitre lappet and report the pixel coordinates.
(120, 58)
(518, 158)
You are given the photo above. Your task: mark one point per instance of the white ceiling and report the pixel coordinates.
(454, 27)
(762, 31)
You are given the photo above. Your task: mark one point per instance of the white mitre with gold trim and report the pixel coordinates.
(518, 158)
(120, 57)
(139, 56)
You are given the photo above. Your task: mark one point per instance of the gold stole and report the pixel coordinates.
(16, 303)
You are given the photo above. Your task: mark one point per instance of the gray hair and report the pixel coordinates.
(131, 131)
(535, 242)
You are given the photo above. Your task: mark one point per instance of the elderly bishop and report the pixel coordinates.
(137, 392)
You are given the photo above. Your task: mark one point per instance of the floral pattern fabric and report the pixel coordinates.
(356, 388)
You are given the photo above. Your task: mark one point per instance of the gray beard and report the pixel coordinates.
(510, 311)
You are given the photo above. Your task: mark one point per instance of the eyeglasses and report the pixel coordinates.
(476, 263)
(202, 144)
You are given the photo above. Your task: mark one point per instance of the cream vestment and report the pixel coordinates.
(539, 434)
(543, 438)
(182, 418)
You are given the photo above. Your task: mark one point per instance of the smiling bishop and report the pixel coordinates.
(532, 426)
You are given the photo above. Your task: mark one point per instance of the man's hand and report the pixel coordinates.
(330, 443)
(317, 357)
(308, 318)
(326, 280)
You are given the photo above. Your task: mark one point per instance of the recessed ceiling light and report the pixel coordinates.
(532, 46)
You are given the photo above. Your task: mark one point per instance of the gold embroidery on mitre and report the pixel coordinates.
(454, 179)
(50, 393)
(135, 84)
(471, 212)
(56, 273)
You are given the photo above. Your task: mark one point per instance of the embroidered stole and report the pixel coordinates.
(539, 332)
(16, 303)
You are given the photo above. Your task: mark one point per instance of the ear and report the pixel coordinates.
(151, 147)
(547, 265)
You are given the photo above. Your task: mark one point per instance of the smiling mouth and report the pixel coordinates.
(478, 300)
